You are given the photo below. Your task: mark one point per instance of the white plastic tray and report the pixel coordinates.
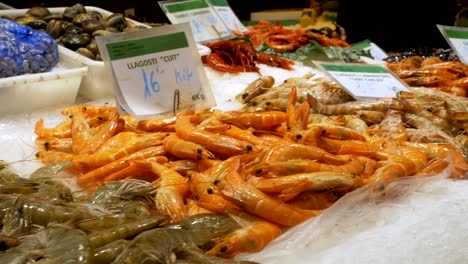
(28, 92)
(96, 84)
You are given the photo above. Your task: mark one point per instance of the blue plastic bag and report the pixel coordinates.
(25, 50)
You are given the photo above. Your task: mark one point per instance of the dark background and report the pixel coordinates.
(149, 11)
(395, 25)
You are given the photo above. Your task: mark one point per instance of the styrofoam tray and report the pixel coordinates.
(28, 92)
(96, 84)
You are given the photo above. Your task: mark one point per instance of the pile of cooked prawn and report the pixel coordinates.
(264, 169)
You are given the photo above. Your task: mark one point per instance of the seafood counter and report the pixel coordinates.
(216, 186)
(287, 168)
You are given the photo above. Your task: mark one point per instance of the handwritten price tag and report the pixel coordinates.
(365, 81)
(228, 16)
(155, 71)
(205, 23)
(458, 39)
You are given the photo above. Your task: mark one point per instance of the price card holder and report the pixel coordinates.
(457, 38)
(155, 71)
(206, 25)
(364, 81)
(369, 46)
(228, 16)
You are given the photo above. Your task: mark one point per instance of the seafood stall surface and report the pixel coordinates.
(261, 173)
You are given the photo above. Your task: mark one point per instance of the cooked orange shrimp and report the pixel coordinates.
(233, 188)
(116, 165)
(86, 139)
(62, 130)
(120, 145)
(350, 147)
(292, 185)
(194, 209)
(284, 152)
(171, 192)
(295, 166)
(204, 190)
(56, 144)
(315, 200)
(134, 171)
(220, 145)
(254, 235)
(51, 156)
(185, 149)
(257, 120)
(395, 167)
(444, 151)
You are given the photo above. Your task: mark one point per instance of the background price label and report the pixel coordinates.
(457, 38)
(365, 81)
(228, 16)
(155, 71)
(375, 51)
(205, 23)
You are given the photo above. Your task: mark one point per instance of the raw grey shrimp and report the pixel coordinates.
(219, 224)
(30, 212)
(107, 253)
(114, 192)
(157, 245)
(54, 245)
(104, 237)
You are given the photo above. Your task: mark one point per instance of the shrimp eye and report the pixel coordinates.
(245, 95)
(298, 136)
(70, 116)
(259, 170)
(249, 147)
(199, 150)
(216, 182)
(100, 118)
(209, 191)
(254, 103)
(223, 248)
(84, 108)
(37, 154)
(47, 146)
(430, 109)
(324, 132)
(268, 103)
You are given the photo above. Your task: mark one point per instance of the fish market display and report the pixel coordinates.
(267, 169)
(433, 72)
(25, 50)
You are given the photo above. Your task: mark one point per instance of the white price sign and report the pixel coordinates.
(458, 39)
(155, 71)
(375, 51)
(228, 16)
(206, 25)
(365, 81)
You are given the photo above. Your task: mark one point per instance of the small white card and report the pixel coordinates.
(364, 81)
(205, 23)
(457, 37)
(155, 71)
(228, 16)
(375, 51)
